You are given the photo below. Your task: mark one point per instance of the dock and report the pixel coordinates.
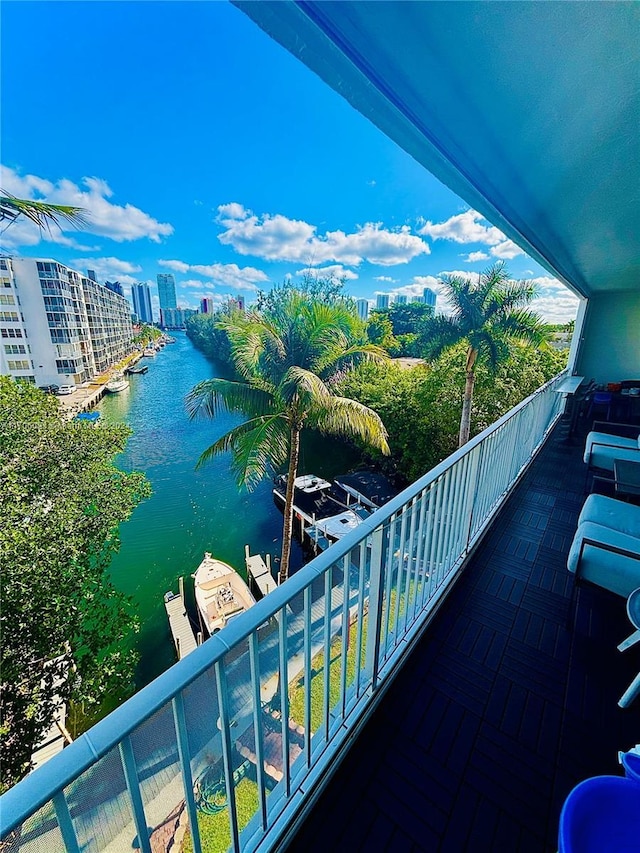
(181, 630)
(259, 573)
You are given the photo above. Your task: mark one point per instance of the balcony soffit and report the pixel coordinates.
(529, 111)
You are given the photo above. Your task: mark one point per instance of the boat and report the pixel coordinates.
(135, 371)
(117, 383)
(149, 352)
(316, 501)
(369, 488)
(221, 594)
(329, 530)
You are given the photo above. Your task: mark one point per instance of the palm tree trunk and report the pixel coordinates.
(465, 418)
(287, 530)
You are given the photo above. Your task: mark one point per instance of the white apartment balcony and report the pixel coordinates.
(470, 686)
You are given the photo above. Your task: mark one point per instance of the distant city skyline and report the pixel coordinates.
(226, 213)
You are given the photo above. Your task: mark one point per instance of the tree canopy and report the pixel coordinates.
(61, 501)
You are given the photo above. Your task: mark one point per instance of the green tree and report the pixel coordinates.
(288, 360)
(61, 501)
(146, 335)
(380, 332)
(319, 288)
(420, 406)
(489, 316)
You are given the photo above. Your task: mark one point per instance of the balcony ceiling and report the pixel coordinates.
(528, 111)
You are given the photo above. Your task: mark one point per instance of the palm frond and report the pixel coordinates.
(213, 396)
(352, 356)
(41, 213)
(523, 325)
(258, 446)
(442, 333)
(304, 385)
(345, 417)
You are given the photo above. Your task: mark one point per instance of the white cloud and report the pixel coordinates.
(556, 309)
(464, 227)
(103, 217)
(194, 282)
(176, 266)
(109, 269)
(474, 257)
(231, 275)
(228, 275)
(384, 278)
(334, 271)
(233, 210)
(507, 249)
(278, 238)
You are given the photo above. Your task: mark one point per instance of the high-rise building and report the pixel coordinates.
(240, 302)
(92, 275)
(382, 301)
(401, 299)
(115, 286)
(429, 297)
(65, 328)
(206, 305)
(362, 306)
(141, 295)
(174, 318)
(167, 290)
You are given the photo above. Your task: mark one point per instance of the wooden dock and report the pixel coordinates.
(181, 631)
(259, 573)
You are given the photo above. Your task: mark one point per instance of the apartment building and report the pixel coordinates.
(57, 325)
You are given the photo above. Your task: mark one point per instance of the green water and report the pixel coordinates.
(190, 511)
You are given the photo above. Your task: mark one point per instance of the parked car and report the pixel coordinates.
(49, 389)
(65, 389)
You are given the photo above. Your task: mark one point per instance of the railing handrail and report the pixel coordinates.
(24, 798)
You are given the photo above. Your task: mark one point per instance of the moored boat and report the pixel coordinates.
(135, 371)
(117, 383)
(221, 594)
(149, 352)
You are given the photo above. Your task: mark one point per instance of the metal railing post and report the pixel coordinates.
(376, 587)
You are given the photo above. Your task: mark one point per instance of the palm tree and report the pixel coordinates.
(288, 359)
(489, 315)
(41, 213)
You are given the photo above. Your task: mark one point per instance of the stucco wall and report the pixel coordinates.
(610, 350)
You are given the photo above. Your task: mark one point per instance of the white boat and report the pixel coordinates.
(336, 526)
(221, 594)
(149, 352)
(117, 383)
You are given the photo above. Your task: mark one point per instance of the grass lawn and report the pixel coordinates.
(296, 692)
(215, 833)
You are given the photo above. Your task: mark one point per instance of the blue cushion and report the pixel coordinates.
(602, 439)
(612, 513)
(616, 572)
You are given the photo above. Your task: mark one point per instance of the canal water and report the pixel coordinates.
(190, 511)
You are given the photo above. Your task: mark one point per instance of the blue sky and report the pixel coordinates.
(200, 146)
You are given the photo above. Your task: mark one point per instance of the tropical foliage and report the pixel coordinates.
(489, 315)
(420, 407)
(400, 329)
(288, 359)
(61, 502)
(43, 214)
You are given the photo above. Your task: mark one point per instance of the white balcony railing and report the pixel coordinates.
(235, 738)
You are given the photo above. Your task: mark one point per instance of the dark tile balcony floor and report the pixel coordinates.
(507, 702)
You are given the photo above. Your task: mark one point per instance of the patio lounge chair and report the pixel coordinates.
(608, 442)
(606, 546)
